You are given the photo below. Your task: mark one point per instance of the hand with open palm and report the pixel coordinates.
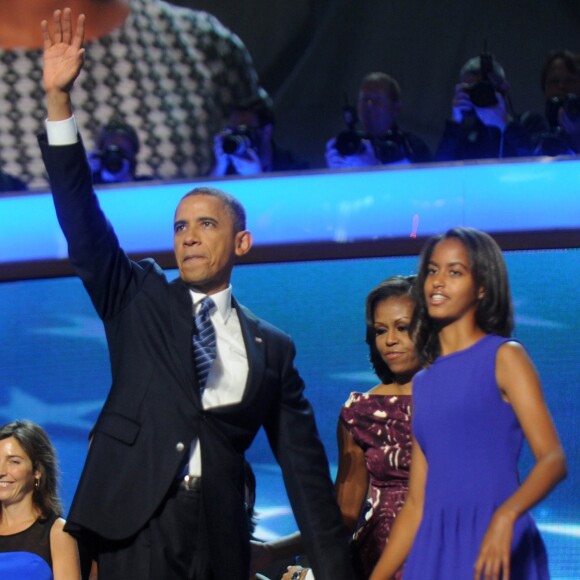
(63, 60)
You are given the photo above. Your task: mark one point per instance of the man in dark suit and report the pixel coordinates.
(161, 495)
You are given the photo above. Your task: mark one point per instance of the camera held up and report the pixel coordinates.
(482, 93)
(349, 142)
(555, 141)
(239, 139)
(570, 104)
(115, 159)
(392, 147)
(389, 148)
(112, 161)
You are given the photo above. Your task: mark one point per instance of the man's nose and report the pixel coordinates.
(191, 237)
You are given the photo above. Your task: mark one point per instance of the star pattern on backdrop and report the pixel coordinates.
(89, 327)
(71, 415)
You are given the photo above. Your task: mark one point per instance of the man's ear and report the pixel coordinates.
(243, 242)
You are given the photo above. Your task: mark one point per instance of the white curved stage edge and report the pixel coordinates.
(337, 209)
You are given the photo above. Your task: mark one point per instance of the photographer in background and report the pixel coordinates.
(483, 124)
(246, 146)
(172, 72)
(381, 141)
(560, 82)
(115, 160)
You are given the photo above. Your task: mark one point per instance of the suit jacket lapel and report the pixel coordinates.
(255, 343)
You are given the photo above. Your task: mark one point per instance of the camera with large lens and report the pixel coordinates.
(391, 147)
(556, 141)
(239, 140)
(570, 104)
(114, 160)
(349, 142)
(482, 93)
(112, 164)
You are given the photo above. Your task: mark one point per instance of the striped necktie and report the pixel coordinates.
(204, 342)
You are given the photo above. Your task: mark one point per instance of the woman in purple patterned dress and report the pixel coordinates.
(374, 429)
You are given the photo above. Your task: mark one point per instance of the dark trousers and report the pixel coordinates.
(171, 547)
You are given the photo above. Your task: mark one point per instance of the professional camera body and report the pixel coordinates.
(570, 104)
(483, 93)
(239, 139)
(111, 165)
(349, 142)
(391, 147)
(556, 141)
(115, 159)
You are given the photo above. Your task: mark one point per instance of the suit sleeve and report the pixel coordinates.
(294, 439)
(93, 247)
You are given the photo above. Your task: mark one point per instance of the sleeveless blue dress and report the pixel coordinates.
(26, 555)
(472, 440)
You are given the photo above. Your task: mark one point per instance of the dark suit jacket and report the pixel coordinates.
(153, 408)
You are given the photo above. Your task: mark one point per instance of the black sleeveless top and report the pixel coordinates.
(28, 551)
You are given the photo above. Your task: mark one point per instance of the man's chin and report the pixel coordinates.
(191, 275)
(192, 280)
(204, 285)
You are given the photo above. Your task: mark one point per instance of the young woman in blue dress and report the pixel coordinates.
(466, 513)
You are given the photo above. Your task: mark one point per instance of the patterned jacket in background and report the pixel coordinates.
(170, 72)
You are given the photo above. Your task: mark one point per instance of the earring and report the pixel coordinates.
(481, 295)
(37, 483)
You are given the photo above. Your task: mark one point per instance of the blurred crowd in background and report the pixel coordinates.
(170, 92)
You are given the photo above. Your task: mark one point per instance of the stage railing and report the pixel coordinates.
(528, 203)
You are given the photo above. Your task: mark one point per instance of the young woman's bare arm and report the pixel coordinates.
(520, 386)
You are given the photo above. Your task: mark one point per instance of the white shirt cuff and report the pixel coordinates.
(62, 132)
(309, 575)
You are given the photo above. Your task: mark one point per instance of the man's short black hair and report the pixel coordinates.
(233, 205)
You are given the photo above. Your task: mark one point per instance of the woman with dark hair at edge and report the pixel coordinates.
(33, 544)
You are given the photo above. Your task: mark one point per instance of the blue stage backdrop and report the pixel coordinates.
(55, 366)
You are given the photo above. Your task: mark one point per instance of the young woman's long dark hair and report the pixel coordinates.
(394, 287)
(36, 444)
(494, 313)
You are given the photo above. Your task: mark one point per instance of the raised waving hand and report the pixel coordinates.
(63, 60)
